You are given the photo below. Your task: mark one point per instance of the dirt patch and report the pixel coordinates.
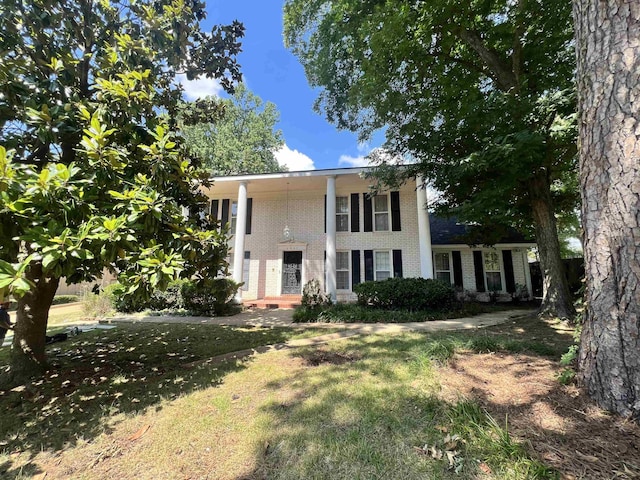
(322, 356)
(559, 423)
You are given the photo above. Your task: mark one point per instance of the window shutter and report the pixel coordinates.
(457, 269)
(249, 208)
(214, 208)
(479, 270)
(368, 265)
(355, 268)
(395, 212)
(368, 213)
(397, 263)
(509, 277)
(324, 265)
(325, 217)
(355, 212)
(225, 212)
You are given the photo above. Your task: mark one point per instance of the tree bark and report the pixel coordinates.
(27, 352)
(608, 53)
(556, 297)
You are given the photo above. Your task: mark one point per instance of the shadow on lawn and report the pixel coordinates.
(366, 407)
(100, 374)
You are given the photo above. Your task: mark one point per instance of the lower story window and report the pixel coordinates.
(342, 271)
(442, 265)
(492, 271)
(246, 265)
(382, 265)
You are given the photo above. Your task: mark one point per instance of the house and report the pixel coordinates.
(289, 228)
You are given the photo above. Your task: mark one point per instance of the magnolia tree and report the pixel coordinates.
(92, 173)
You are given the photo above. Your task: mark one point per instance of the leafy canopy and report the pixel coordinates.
(92, 174)
(242, 140)
(479, 93)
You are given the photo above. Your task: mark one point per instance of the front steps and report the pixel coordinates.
(283, 301)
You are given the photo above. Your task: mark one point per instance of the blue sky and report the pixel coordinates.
(274, 74)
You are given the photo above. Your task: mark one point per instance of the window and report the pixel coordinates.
(234, 216)
(492, 271)
(381, 265)
(381, 213)
(246, 265)
(342, 214)
(442, 266)
(342, 271)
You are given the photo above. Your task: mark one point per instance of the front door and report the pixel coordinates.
(291, 273)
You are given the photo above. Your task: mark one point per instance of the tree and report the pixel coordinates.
(92, 175)
(243, 140)
(479, 93)
(608, 51)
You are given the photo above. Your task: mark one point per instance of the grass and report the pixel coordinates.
(366, 407)
(353, 313)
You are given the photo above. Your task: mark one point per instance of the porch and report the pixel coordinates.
(283, 301)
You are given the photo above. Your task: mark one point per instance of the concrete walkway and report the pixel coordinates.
(283, 318)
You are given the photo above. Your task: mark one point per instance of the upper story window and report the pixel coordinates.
(442, 266)
(492, 271)
(234, 216)
(381, 213)
(342, 214)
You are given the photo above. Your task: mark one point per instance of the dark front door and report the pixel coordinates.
(291, 273)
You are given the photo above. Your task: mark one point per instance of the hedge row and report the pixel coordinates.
(406, 294)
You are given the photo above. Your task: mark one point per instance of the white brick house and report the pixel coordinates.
(289, 228)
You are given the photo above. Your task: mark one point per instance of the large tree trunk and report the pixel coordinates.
(27, 354)
(556, 297)
(608, 51)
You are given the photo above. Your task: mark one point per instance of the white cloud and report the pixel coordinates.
(293, 159)
(360, 161)
(203, 87)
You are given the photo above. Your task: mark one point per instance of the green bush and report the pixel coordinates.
(62, 299)
(210, 296)
(169, 299)
(406, 294)
(121, 302)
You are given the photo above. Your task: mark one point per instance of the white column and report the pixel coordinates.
(424, 230)
(238, 246)
(330, 265)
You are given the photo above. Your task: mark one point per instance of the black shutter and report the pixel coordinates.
(214, 208)
(225, 211)
(355, 212)
(249, 208)
(368, 265)
(325, 216)
(509, 277)
(457, 268)
(479, 270)
(395, 211)
(397, 263)
(355, 268)
(324, 265)
(368, 213)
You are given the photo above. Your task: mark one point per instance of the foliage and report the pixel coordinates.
(209, 296)
(97, 305)
(313, 296)
(406, 294)
(480, 94)
(242, 140)
(62, 299)
(92, 173)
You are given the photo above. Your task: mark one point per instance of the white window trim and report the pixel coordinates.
(348, 270)
(435, 270)
(348, 214)
(484, 271)
(373, 210)
(375, 266)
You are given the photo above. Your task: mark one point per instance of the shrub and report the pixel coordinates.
(62, 299)
(97, 305)
(116, 293)
(209, 296)
(406, 294)
(170, 299)
(313, 296)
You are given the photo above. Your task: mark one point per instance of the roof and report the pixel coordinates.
(449, 231)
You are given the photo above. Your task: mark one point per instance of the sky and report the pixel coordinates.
(275, 75)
